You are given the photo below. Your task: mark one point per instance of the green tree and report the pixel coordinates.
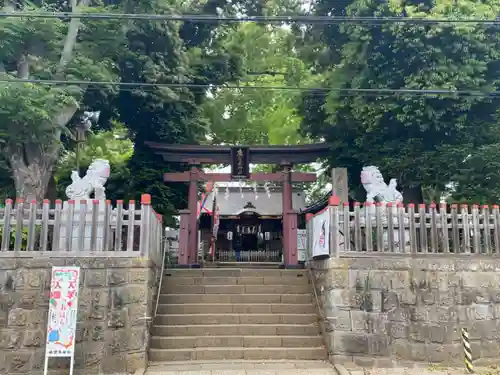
(34, 117)
(176, 53)
(259, 116)
(420, 140)
(113, 145)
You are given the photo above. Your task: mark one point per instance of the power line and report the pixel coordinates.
(307, 19)
(381, 91)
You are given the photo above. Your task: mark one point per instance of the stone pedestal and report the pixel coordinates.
(83, 221)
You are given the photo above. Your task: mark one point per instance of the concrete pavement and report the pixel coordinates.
(287, 367)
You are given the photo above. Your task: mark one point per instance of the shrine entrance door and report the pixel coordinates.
(239, 157)
(251, 241)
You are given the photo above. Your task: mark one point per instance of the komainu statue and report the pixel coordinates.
(93, 181)
(376, 188)
(378, 191)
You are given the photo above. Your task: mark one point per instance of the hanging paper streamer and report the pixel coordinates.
(266, 188)
(226, 193)
(241, 189)
(255, 190)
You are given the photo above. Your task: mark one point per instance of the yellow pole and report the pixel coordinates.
(467, 351)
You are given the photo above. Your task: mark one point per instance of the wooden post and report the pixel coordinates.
(193, 217)
(485, 211)
(183, 251)
(309, 238)
(145, 225)
(289, 221)
(333, 206)
(340, 187)
(496, 229)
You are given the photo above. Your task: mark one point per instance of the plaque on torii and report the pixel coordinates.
(239, 158)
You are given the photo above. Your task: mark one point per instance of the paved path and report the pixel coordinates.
(242, 368)
(431, 370)
(294, 368)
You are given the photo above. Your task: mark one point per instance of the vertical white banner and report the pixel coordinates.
(321, 234)
(63, 309)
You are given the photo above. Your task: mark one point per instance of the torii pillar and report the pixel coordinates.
(290, 254)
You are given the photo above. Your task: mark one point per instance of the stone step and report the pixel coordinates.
(239, 308)
(183, 342)
(230, 353)
(235, 298)
(235, 280)
(172, 288)
(236, 330)
(240, 365)
(190, 319)
(234, 272)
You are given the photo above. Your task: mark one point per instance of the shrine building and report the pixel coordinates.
(250, 224)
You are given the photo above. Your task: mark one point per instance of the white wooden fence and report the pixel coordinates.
(458, 229)
(85, 228)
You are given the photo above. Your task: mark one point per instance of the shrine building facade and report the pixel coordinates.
(250, 224)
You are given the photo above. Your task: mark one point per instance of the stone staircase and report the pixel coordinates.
(236, 314)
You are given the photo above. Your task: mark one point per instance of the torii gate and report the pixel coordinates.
(239, 157)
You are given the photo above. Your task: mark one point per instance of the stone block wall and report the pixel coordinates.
(116, 298)
(384, 310)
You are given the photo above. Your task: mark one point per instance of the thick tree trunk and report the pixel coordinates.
(31, 177)
(413, 194)
(31, 184)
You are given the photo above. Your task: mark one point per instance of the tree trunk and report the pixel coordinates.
(31, 180)
(413, 194)
(32, 167)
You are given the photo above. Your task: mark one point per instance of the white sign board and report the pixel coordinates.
(301, 244)
(321, 234)
(301, 239)
(63, 308)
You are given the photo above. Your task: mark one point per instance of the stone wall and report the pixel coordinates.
(116, 295)
(390, 310)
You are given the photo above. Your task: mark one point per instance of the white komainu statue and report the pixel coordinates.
(376, 189)
(93, 181)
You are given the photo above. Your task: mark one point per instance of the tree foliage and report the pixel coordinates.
(420, 140)
(113, 145)
(33, 117)
(253, 115)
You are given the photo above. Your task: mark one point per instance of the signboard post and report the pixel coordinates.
(63, 308)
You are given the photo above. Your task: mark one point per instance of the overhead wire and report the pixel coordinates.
(320, 90)
(262, 19)
(305, 19)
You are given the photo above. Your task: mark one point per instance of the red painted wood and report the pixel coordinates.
(226, 177)
(193, 216)
(184, 238)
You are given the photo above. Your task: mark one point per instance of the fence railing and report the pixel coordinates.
(81, 228)
(398, 228)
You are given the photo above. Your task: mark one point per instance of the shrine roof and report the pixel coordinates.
(216, 154)
(263, 205)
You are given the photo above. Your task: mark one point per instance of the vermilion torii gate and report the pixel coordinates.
(239, 157)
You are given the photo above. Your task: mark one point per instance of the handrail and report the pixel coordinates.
(161, 276)
(318, 307)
